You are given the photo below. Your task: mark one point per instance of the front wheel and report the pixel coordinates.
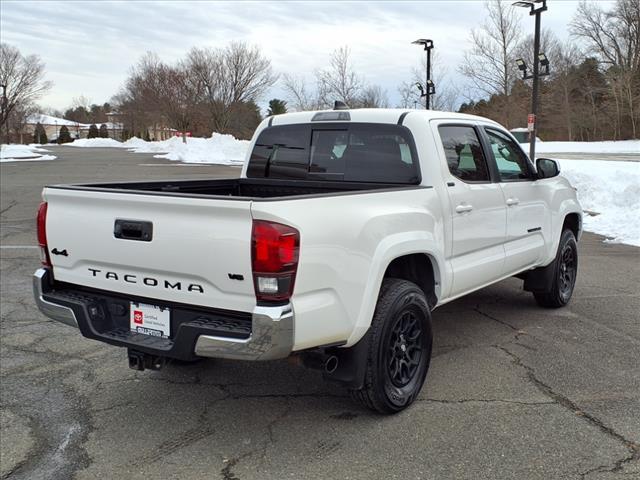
(399, 348)
(565, 273)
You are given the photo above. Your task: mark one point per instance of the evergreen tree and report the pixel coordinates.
(93, 131)
(277, 107)
(40, 135)
(65, 136)
(104, 132)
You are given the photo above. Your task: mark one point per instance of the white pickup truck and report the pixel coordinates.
(345, 230)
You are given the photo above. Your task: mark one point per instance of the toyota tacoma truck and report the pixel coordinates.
(344, 231)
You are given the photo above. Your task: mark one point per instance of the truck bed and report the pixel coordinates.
(240, 188)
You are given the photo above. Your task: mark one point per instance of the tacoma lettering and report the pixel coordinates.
(148, 281)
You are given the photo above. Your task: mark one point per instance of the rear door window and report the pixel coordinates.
(463, 150)
(376, 153)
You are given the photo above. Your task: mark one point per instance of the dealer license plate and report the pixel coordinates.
(150, 320)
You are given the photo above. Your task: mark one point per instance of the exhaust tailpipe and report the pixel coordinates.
(317, 361)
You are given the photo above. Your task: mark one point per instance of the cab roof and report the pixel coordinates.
(371, 115)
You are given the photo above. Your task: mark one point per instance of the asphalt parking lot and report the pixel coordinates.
(514, 391)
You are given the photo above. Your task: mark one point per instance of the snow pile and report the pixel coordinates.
(609, 192)
(95, 142)
(23, 153)
(622, 146)
(218, 149)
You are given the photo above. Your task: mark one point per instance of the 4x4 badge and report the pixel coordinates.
(64, 253)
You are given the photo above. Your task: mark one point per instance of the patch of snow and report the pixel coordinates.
(611, 190)
(135, 142)
(218, 149)
(622, 146)
(95, 143)
(23, 153)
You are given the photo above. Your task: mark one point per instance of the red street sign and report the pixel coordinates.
(531, 121)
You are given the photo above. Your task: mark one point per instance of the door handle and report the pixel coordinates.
(464, 208)
(512, 201)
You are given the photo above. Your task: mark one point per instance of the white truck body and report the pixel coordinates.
(474, 233)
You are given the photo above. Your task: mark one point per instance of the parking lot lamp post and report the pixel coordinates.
(537, 12)
(3, 107)
(429, 86)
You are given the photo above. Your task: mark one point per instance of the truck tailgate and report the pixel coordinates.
(198, 253)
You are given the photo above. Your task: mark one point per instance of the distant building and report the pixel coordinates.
(77, 130)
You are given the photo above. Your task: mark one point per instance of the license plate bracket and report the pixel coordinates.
(150, 319)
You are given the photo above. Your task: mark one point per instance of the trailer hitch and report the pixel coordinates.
(141, 361)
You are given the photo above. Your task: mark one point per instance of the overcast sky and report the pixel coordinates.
(88, 47)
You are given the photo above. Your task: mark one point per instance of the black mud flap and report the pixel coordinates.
(540, 279)
(352, 364)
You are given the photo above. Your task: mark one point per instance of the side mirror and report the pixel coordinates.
(547, 168)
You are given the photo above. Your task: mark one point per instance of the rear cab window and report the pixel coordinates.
(351, 152)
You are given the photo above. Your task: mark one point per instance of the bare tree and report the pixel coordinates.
(340, 81)
(229, 77)
(159, 93)
(177, 97)
(18, 119)
(23, 78)
(298, 93)
(549, 45)
(565, 57)
(81, 102)
(614, 37)
(373, 96)
(490, 63)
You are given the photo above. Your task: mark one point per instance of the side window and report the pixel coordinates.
(511, 161)
(464, 153)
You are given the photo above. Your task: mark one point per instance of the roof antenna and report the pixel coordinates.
(338, 105)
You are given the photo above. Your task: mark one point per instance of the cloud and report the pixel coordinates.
(89, 46)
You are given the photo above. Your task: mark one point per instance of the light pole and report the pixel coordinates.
(429, 85)
(537, 12)
(3, 107)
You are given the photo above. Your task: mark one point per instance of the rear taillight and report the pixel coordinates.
(42, 234)
(274, 254)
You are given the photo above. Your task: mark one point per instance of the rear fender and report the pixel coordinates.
(389, 249)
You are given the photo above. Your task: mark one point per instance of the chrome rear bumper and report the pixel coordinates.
(271, 337)
(41, 283)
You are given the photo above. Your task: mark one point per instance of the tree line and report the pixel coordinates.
(592, 92)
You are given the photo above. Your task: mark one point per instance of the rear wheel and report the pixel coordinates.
(564, 277)
(399, 348)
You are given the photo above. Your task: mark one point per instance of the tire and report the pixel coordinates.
(558, 294)
(399, 348)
